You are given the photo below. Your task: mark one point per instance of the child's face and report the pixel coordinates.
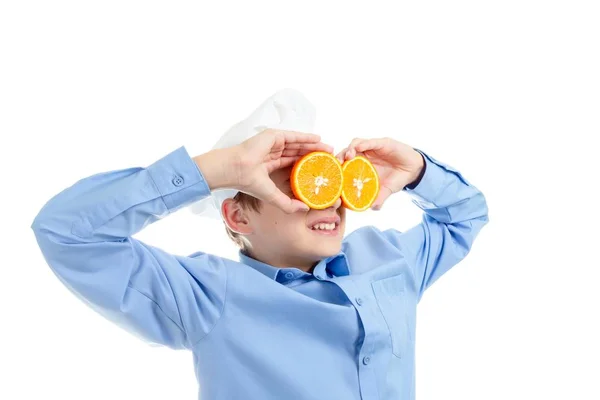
(285, 240)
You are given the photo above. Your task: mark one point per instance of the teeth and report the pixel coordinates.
(325, 227)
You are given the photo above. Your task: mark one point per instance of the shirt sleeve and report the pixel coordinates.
(85, 235)
(414, 184)
(454, 211)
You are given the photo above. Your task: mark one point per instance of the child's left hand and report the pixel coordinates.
(397, 163)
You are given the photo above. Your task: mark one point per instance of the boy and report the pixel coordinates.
(304, 315)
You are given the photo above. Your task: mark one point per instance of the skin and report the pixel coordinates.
(280, 232)
(283, 239)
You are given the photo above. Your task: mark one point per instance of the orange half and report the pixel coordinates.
(316, 179)
(360, 184)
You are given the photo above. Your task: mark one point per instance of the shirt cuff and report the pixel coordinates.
(436, 177)
(178, 179)
(418, 180)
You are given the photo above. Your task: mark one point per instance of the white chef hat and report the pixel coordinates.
(287, 109)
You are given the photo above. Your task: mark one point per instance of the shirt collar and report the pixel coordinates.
(260, 266)
(336, 265)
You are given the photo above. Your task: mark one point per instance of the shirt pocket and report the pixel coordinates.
(392, 301)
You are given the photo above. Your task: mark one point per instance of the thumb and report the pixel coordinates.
(283, 201)
(384, 193)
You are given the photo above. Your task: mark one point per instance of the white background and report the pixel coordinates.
(507, 92)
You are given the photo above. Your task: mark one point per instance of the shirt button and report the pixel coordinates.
(366, 360)
(177, 181)
(289, 275)
(359, 301)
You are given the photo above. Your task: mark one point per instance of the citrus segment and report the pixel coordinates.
(316, 179)
(360, 184)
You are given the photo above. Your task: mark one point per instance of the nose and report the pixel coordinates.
(337, 204)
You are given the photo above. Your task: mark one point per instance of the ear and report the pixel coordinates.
(236, 217)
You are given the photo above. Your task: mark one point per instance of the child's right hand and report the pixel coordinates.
(249, 164)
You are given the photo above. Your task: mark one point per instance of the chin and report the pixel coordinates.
(326, 249)
(323, 243)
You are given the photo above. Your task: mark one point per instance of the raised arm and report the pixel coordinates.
(85, 234)
(454, 210)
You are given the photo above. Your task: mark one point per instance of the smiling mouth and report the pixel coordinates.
(326, 228)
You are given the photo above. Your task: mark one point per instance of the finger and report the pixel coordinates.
(285, 203)
(341, 154)
(298, 137)
(318, 145)
(298, 205)
(305, 148)
(374, 144)
(384, 193)
(351, 153)
(284, 162)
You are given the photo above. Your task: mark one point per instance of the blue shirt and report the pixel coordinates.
(345, 331)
